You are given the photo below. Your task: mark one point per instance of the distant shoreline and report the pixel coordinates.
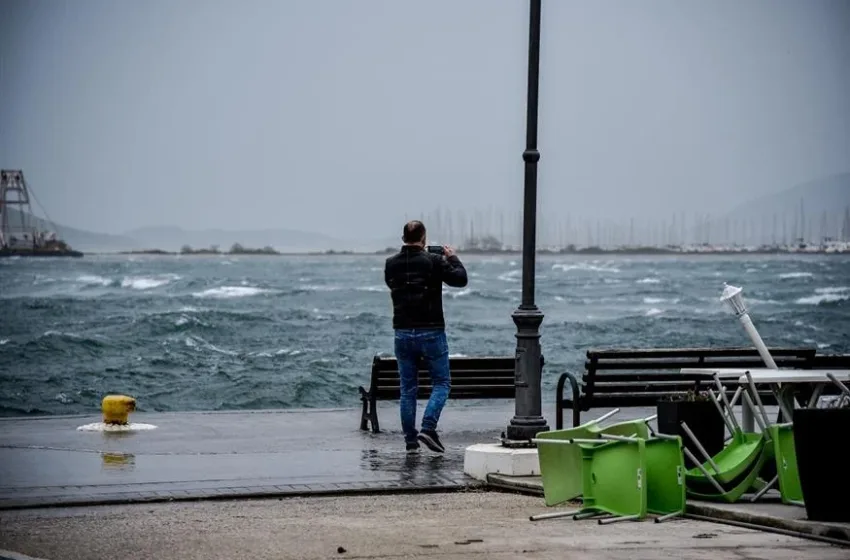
(578, 252)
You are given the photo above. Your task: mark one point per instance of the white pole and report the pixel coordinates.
(732, 296)
(756, 338)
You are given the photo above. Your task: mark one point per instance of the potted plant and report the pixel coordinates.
(695, 409)
(819, 435)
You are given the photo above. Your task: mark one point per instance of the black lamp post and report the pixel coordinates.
(528, 419)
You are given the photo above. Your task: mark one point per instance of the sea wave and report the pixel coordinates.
(302, 331)
(147, 282)
(822, 298)
(584, 267)
(227, 292)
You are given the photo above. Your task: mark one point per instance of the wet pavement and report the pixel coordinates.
(47, 461)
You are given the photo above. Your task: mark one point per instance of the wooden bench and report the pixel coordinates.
(489, 377)
(642, 377)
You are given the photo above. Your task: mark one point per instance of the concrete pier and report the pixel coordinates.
(47, 461)
(307, 454)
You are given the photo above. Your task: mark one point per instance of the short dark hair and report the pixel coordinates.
(413, 232)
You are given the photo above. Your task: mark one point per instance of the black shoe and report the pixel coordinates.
(431, 441)
(412, 447)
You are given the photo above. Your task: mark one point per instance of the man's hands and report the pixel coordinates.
(448, 251)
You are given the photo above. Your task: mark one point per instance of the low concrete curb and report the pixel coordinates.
(735, 514)
(293, 491)
(836, 533)
(523, 484)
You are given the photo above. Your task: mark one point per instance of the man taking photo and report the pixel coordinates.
(415, 276)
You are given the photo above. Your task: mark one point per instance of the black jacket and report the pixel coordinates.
(415, 278)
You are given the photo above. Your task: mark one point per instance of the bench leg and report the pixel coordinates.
(364, 412)
(576, 414)
(373, 416)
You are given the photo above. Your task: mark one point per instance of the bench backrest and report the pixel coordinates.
(831, 361)
(654, 372)
(472, 377)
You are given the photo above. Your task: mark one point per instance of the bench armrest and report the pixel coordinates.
(559, 407)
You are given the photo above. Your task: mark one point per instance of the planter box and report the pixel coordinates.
(819, 436)
(703, 420)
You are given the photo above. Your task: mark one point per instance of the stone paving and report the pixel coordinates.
(769, 512)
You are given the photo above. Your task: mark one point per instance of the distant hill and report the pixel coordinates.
(829, 194)
(822, 202)
(173, 238)
(79, 239)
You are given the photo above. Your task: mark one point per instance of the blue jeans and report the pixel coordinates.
(430, 345)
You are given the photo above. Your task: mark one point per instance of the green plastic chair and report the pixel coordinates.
(561, 463)
(630, 428)
(784, 448)
(785, 452)
(614, 480)
(735, 460)
(665, 477)
(736, 469)
(710, 489)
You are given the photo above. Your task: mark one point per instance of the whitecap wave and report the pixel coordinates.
(818, 299)
(584, 267)
(198, 342)
(648, 280)
(510, 276)
(653, 312)
(62, 334)
(832, 290)
(5, 341)
(319, 288)
(145, 282)
(93, 280)
(372, 289)
(458, 293)
(226, 292)
(788, 275)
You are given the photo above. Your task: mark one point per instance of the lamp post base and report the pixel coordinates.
(528, 420)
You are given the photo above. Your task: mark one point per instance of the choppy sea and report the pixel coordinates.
(258, 332)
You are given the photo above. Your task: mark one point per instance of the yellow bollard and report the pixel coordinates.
(117, 408)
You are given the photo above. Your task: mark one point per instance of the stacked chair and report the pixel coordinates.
(622, 471)
(736, 468)
(750, 462)
(626, 470)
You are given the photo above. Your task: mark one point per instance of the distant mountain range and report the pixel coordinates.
(828, 196)
(818, 207)
(173, 238)
(79, 239)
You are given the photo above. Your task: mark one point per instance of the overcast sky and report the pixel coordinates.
(344, 115)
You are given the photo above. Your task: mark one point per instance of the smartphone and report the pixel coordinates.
(436, 249)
